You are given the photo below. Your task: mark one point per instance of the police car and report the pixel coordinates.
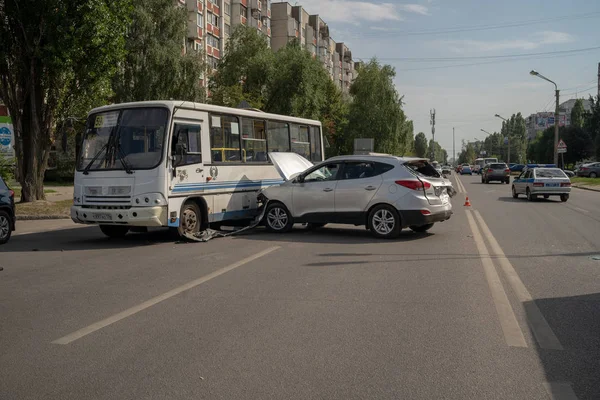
(542, 181)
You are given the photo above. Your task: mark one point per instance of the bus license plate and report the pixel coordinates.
(102, 216)
(552, 184)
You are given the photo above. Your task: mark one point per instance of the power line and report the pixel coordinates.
(432, 59)
(472, 28)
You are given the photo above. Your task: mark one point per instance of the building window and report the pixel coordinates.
(213, 41)
(227, 7)
(254, 140)
(212, 62)
(224, 138)
(200, 20)
(242, 10)
(278, 136)
(213, 19)
(227, 29)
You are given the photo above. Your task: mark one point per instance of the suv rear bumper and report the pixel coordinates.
(416, 218)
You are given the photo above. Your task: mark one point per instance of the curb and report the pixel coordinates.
(41, 217)
(587, 188)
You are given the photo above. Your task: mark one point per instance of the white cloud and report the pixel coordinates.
(415, 8)
(351, 11)
(535, 41)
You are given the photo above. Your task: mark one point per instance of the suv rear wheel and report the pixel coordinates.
(384, 222)
(5, 227)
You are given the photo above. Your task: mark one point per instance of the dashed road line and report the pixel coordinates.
(541, 329)
(513, 335)
(149, 303)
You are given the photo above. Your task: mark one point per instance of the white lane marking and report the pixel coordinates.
(560, 390)
(541, 329)
(508, 321)
(461, 188)
(149, 303)
(580, 209)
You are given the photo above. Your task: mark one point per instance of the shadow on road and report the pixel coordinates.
(330, 235)
(576, 323)
(522, 199)
(82, 239)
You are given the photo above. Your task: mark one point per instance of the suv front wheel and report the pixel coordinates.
(5, 227)
(384, 222)
(278, 218)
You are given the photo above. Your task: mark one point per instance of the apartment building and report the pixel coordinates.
(295, 23)
(210, 23)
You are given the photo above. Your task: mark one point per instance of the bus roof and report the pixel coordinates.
(172, 104)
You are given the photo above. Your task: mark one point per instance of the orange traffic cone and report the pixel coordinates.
(467, 202)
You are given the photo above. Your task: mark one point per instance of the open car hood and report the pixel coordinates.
(289, 165)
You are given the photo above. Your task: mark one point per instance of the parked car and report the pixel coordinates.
(495, 172)
(466, 169)
(591, 170)
(446, 170)
(546, 182)
(516, 167)
(7, 212)
(385, 193)
(569, 173)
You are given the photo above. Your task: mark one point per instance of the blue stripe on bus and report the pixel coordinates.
(234, 185)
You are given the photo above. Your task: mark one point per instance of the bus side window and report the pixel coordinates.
(224, 138)
(300, 140)
(254, 140)
(278, 136)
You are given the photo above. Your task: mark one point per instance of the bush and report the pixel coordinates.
(7, 168)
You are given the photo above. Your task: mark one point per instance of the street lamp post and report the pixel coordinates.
(486, 132)
(508, 134)
(556, 111)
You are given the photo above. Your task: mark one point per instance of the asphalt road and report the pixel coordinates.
(499, 302)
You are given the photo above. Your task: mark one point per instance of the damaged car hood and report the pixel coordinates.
(289, 165)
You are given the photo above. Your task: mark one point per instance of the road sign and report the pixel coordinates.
(561, 150)
(562, 144)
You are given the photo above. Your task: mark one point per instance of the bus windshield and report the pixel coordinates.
(120, 138)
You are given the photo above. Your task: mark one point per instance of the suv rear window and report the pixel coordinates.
(498, 166)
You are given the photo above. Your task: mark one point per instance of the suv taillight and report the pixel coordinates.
(507, 170)
(414, 185)
(11, 193)
(583, 168)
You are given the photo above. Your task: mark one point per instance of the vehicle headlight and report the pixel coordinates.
(149, 200)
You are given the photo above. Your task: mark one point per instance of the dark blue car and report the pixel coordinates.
(517, 167)
(7, 212)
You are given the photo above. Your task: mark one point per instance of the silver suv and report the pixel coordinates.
(385, 193)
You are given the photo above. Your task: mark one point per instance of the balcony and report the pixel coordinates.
(195, 6)
(243, 20)
(210, 28)
(256, 5)
(195, 32)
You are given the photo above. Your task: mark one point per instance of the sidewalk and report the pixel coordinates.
(593, 188)
(60, 193)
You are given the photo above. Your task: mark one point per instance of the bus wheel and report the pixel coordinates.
(190, 220)
(114, 231)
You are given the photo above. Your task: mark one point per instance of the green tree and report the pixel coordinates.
(53, 51)
(376, 108)
(436, 150)
(334, 117)
(592, 125)
(421, 145)
(155, 66)
(244, 71)
(467, 154)
(577, 114)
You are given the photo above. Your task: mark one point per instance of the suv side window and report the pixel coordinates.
(364, 169)
(328, 172)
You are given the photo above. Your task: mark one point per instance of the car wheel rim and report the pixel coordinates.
(4, 227)
(383, 222)
(190, 220)
(277, 218)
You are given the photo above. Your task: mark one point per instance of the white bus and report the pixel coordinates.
(482, 162)
(181, 165)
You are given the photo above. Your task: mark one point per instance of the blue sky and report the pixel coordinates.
(467, 97)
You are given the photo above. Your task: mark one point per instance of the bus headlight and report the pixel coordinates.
(149, 200)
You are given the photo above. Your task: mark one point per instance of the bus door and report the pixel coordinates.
(188, 175)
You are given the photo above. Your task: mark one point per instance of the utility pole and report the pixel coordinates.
(599, 80)
(453, 147)
(432, 121)
(556, 111)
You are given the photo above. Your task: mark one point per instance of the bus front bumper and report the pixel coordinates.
(135, 216)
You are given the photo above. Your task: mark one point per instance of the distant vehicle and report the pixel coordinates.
(7, 212)
(482, 162)
(446, 170)
(591, 170)
(545, 182)
(569, 173)
(495, 172)
(516, 167)
(466, 169)
(384, 193)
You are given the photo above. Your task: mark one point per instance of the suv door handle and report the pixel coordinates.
(328, 190)
(370, 188)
